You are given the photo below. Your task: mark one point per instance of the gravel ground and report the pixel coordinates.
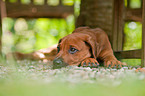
(37, 70)
(35, 78)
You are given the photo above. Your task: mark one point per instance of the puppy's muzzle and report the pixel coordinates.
(58, 63)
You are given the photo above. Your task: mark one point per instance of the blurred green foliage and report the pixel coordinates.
(133, 35)
(12, 1)
(133, 3)
(28, 35)
(50, 2)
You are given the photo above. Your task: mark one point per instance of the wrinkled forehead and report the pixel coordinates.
(72, 40)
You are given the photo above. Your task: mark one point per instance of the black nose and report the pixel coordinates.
(57, 62)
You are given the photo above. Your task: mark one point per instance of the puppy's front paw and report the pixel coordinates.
(90, 62)
(114, 63)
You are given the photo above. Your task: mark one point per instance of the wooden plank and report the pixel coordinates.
(128, 3)
(133, 14)
(120, 24)
(35, 11)
(0, 30)
(19, 1)
(115, 25)
(60, 2)
(141, 3)
(143, 35)
(31, 1)
(131, 54)
(3, 9)
(45, 2)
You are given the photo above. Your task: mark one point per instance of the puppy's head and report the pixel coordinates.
(73, 49)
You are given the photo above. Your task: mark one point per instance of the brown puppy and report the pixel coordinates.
(84, 46)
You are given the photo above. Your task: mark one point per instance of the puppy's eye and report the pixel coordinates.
(72, 50)
(58, 49)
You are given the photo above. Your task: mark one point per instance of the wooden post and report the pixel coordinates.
(45, 2)
(128, 3)
(0, 29)
(115, 24)
(118, 25)
(32, 1)
(3, 9)
(60, 2)
(3, 14)
(121, 12)
(19, 1)
(143, 34)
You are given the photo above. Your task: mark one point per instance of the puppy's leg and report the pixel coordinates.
(109, 59)
(112, 62)
(90, 62)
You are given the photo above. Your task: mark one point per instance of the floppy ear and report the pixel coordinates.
(59, 41)
(92, 43)
(58, 46)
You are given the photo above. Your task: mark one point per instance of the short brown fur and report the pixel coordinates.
(91, 44)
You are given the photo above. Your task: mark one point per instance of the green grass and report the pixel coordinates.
(135, 88)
